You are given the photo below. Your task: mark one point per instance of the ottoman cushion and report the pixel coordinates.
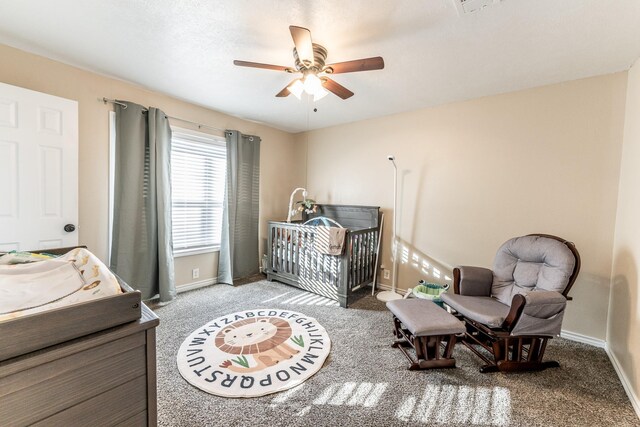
(425, 318)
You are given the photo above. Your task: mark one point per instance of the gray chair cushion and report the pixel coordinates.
(424, 318)
(475, 281)
(486, 310)
(528, 263)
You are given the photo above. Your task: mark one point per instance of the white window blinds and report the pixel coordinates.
(198, 173)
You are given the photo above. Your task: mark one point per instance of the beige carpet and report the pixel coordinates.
(365, 382)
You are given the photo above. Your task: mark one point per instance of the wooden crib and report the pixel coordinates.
(292, 258)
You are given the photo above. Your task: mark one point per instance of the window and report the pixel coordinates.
(198, 174)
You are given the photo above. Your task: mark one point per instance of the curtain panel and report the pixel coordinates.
(141, 250)
(239, 244)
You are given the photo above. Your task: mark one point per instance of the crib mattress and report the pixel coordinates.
(85, 297)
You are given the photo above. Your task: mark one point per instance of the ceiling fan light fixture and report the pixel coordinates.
(321, 93)
(296, 88)
(312, 84)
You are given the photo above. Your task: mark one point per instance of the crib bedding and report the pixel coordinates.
(75, 277)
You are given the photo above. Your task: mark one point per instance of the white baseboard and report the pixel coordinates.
(584, 339)
(194, 285)
(626, 384)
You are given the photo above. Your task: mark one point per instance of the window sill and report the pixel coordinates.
(181, 254)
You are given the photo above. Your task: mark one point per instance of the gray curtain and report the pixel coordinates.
(141, 250)
(239, 246)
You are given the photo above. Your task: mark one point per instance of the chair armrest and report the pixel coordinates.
(515, 312)
(544, 304)
(472, 281)
(539, 304)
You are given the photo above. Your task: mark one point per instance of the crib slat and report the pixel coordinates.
(287, 242)
(280, 243)
(325, 267)
(296, 252)
(300, 243)
(276, 249)
(307, 263)
(360, 239)
(365, 243)
(289, 251)
(294, 245)
(365, 256)
(316, 261)
(363, 252)
(349, 272)
(357, 256)
(271, 242)
(283, 254)
(285, 249)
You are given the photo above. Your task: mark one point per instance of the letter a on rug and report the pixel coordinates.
(253, 353)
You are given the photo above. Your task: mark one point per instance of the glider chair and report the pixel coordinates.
(514, 309)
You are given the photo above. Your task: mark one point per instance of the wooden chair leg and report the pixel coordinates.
(420, 347)
(428, 351)
(450, 344)
(533, 350)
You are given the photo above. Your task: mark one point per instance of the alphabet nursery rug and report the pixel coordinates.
(253, 353)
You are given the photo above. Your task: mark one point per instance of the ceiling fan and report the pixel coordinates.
(310, 61)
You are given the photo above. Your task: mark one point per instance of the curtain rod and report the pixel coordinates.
(123, 105)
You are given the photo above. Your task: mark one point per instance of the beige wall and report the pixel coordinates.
(37, 73)
(623, 331)
(473, 174)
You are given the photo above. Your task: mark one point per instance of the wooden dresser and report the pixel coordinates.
(106, 378)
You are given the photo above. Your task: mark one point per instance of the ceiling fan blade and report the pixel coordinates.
(265, 66)
(366, 64)
(284, 92)
(336, 88)
(302, 39)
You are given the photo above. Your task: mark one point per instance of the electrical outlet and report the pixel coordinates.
(387, 274)
(195, 273)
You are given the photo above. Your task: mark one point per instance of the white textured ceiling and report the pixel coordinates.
(185, 48)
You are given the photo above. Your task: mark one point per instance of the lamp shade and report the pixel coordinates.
(312, 84)
(296, 88)
(320, 93)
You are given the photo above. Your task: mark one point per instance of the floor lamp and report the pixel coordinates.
(392, 294)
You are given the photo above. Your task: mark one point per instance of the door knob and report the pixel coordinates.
(69, 228)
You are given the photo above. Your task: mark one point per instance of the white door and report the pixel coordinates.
(38, 170)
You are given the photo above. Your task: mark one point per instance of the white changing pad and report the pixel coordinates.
(32, 285)
(75, 277)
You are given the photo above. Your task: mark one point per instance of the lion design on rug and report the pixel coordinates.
(264, 338)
